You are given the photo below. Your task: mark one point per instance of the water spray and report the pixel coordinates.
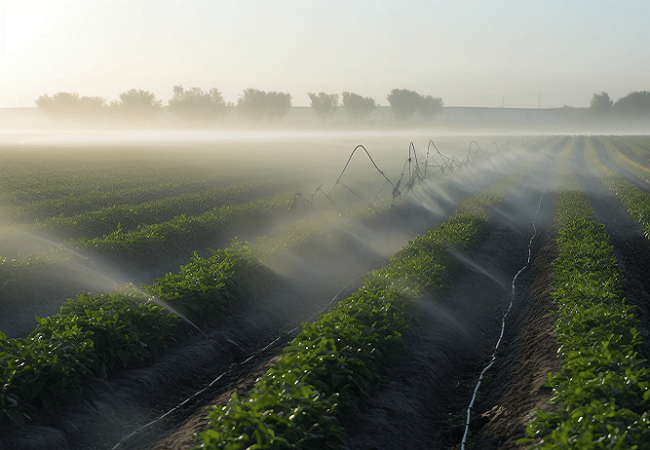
(172, 310)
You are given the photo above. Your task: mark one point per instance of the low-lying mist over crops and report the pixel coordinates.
(370, 276)
(324, 226)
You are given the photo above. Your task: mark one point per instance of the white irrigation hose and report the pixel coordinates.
(503, 327)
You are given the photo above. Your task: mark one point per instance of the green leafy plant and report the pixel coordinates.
(337, 360)
(602, 392)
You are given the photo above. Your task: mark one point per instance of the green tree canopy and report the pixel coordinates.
(325, 105)
(277, 104)
(601, 104)
(404, 103)
(137, 104)
(635, 103)
(194, 105)
(256, 104)
(429, 106)
(68, 105)
(357, 106)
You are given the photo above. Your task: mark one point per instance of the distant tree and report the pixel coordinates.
(194, 105)
(601, 104)
(256, 104)
(635, 103)
(252, 104)
(92, 107)
(325, 105)
(430, 106)
(60, 104)
(357, 106)
(403, 103)
(70, 105)
(277, 104)
(137, 104)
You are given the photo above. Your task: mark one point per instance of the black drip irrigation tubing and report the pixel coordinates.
(236, 366)
(503, 327)
(414, 176)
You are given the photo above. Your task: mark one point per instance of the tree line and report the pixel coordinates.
(196, 106)
(634, 104)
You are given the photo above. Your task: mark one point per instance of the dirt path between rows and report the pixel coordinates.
(424, 402)
(124, 404)
(631, 249)
(421, 405)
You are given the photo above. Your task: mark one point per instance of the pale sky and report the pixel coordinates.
(470, 53)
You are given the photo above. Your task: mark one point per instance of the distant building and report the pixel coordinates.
(304, 116)
(498, 115)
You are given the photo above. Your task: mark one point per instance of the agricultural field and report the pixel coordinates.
(268, 290)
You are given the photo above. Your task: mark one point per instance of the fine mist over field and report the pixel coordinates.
(232, 243)
(60, 187)
(91, 212)
(324, 225)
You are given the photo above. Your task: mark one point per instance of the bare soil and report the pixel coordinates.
(424, 403)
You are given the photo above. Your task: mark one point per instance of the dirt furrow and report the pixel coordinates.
(423, 405)
(631, 249)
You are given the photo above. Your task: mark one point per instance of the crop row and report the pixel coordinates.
(156, 241)
(92, 335)
(56, 191)
(619, 156)
(637, 147)
(602, 391)
(636, 201)
(324, 371)
(101, 222)
(97, 335)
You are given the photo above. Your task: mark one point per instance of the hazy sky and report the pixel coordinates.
(470, 53)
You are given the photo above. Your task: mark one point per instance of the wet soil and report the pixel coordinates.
(631, 249)
(463, 327)
(423, 405)
(309, 278)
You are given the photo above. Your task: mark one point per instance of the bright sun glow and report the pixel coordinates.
(19, 25)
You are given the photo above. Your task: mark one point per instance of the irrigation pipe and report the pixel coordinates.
(503, 327)
(238, 365)
(408, 186)
(371, 160)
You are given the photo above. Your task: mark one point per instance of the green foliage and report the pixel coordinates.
(66, 104)
(136, 104)
(103, 221)
(60, 192)
(636, 201)
(196, 106)
(166, 239)
(211, 285)
(357, 106)
(95, 335)
(601, 104)
(636, 103)
(9, 267)
(404, 103)
(325, 105)
(337, 360)
(602, 392)
(256, 104)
